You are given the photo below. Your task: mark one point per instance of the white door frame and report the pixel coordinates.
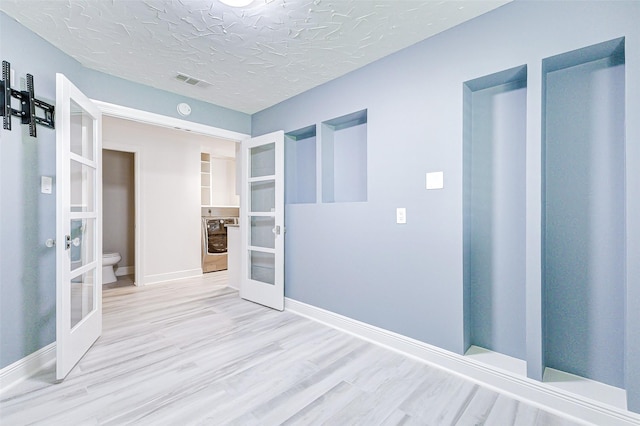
(138, 241)
(140, 116)
(119, 111)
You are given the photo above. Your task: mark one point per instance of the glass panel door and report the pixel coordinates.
(79, 225)
(263, 220)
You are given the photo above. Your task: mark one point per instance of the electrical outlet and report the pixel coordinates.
(401, 215)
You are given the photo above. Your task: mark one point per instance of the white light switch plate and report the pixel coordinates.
(46, 183)
(435, 180)
(401, 215)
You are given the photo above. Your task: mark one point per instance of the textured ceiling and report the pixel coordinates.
(247, 58)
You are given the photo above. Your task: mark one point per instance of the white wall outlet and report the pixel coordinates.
(435, 180)
(401, 215)
(46, 184)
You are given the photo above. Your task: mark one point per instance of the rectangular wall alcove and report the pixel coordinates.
(300, 166)
(584, 212)
(344, 158)
(494, 216)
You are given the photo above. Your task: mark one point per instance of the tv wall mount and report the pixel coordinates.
(28, 103)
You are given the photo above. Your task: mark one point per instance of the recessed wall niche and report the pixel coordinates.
(583, 248)
(494, 214)
(344, 158)
(300, 170)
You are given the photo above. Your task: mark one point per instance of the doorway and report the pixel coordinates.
(119, 214)
(166, 157)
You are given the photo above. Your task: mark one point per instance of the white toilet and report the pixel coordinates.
(109, 264)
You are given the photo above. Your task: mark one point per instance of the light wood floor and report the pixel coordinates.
(192, 352)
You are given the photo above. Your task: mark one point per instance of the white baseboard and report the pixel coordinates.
(588, 388)
(26, 367)
(485, 356)
(125, 270)
(550, 398)
(178, 275)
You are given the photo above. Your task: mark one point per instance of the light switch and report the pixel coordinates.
(401, 215)
(435, 180)
(46, 183)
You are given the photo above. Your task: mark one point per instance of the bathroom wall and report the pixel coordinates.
(27, 217)
(118, 208)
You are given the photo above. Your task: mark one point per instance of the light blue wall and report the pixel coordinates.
(494, 226)
(27, 217)
(103, 87)
(27, 283)
(584, 242)
(350, 164)
(353, 259)
(300, 155)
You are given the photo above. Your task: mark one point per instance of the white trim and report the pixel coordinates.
(26, 367)
(141, 116)
(120, 111)
(125, 270)
(138, 240)
(177, 275)
(592, 389)
(558, 401)
(485, 356)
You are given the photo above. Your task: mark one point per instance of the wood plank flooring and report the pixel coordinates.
(191, 352)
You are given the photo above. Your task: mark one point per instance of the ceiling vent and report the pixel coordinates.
(191, 81)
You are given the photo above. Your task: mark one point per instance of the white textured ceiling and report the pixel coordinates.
(248, 58)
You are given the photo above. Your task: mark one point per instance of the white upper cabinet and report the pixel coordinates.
(218, 181)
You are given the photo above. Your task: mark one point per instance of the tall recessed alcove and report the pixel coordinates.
(583, 207)
(494, 217)
(300, 166)
(344, 158)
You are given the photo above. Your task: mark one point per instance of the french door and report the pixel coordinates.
(79, 225)
(262, 220)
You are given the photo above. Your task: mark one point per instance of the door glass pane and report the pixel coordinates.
(262, 232)
(82, 187)
(262, 267)
(82, 242)
(82, 296)
(263, 160)
(81, 132)
(263, 196)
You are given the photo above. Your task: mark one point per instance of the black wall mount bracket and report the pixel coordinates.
(28, 102)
